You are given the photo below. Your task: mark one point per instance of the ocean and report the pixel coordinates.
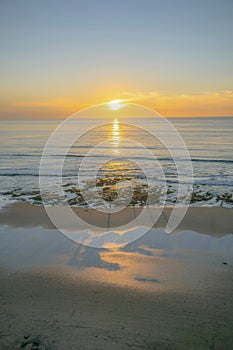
(208, 140)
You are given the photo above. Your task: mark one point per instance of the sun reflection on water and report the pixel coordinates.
(115, 136)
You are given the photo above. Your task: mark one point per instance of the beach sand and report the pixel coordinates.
(216, 221)
(175, 296)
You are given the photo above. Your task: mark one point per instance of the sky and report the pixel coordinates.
(57, 57)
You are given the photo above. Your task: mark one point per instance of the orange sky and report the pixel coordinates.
(204, 104)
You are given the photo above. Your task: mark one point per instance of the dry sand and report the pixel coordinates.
(66, 314)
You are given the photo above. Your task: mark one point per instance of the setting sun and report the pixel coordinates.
(115, 104)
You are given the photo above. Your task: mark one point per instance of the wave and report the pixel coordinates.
(203, 182)
(212, 160)
(181, 159)
(31, 174)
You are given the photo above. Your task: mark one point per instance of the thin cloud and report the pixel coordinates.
(213, 103)
(217, 103)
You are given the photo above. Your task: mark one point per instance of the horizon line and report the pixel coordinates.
(61, 117)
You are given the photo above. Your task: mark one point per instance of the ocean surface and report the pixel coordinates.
(208, 140)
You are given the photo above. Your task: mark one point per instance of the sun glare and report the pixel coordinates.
(115, 104)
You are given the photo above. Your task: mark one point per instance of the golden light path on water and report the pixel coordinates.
(116, 136)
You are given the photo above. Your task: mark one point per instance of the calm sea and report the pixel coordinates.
(209, 141)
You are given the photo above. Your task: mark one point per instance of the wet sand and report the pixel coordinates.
(172, 295)
(214, 221)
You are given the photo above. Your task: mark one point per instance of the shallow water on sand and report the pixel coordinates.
(155, 261)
